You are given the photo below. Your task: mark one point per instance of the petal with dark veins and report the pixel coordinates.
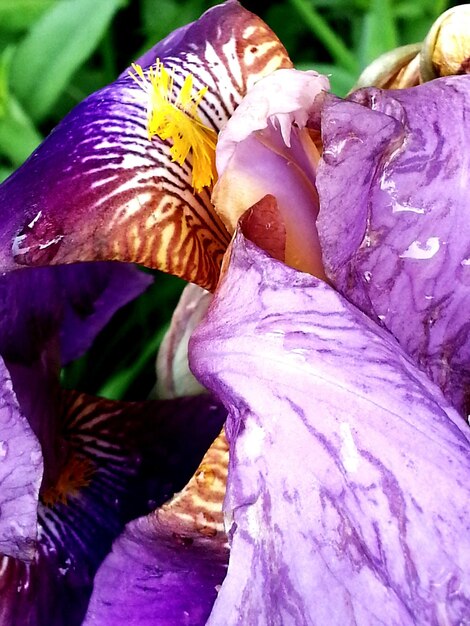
(166, 569)
(393, 223)
(49, 316)
(124, 459)
(99, 189)
(348, 489)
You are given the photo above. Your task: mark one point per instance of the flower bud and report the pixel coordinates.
(446, 49)
(444, 52)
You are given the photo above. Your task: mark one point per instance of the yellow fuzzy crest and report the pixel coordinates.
(175, 117)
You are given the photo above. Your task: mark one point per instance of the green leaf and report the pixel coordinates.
(18, 135)
(294, 32)
(160, 17)
(5, 173)
(170, 15)
(19, 15)
(379, 33)
(57, 45)
(118, 384)
(323, 31)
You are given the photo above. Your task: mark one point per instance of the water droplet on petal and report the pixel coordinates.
(422, 249)
(38, 241)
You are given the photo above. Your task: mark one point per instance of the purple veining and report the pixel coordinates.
(342, 421)
(393, 187)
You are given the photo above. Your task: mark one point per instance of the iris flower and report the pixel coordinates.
(74, 468)
(333, 235)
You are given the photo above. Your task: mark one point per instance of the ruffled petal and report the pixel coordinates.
(166, 569)
(20, 476)
(123, 460)
(99, 189)
(348, 493)
(393, 223)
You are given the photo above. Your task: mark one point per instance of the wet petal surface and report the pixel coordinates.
(20, 476)
(393, 223)
(335, 437)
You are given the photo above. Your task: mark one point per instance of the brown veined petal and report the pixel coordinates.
(99, 189)
(166, 569)
(393, 69)
(123, 459)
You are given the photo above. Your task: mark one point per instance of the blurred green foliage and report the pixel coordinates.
(53, 53)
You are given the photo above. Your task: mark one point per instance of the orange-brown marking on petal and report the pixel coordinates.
(129, 200)
(197, 509)
(76, 474)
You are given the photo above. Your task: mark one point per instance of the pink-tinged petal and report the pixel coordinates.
(99, 189)
(166, 569)
(174, 378)
(266, 148)
(20, 476)
(264, 224)
(348, 489)
(124, 459)
(394, 193)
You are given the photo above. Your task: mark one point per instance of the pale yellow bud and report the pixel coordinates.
(444, 52)
(446, 49)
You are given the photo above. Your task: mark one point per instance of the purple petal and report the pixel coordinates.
(20, 476)
(138, 455)
(167, 568)
(92, 293)
(394, 188)
(99, 189)
(348, 485)
(75, 301)
(41, 593)
(49, 316)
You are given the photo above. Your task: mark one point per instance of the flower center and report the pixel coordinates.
(74, 475)
(175, 117)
